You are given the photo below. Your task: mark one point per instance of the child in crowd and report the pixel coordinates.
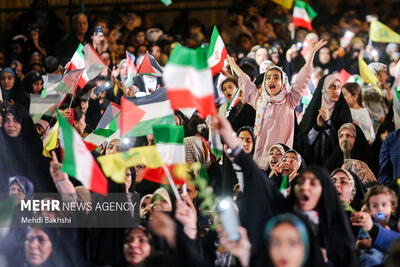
(380, 203)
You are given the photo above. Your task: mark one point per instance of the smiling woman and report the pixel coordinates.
(137, 246)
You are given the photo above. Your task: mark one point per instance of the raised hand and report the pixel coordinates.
(314, 48)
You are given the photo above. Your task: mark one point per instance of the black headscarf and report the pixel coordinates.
(17, 93)
(29, 79)
(319, 151)
(360, 151)
(22, 155)
(331, 66)
(251, 131)
(334, 229)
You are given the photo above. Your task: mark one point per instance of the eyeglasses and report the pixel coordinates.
(41, 239)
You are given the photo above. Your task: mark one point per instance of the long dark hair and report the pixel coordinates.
(354, 89)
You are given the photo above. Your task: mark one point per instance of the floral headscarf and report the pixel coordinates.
(265, 99)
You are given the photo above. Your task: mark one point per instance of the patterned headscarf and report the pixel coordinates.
(265, 99)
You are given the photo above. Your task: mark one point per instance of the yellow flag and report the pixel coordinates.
(367, 75)
(115, 165)
(285, 3)
(50, 142)
(379, 32)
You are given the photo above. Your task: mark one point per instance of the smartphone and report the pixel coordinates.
(228, 217)
(98, 30)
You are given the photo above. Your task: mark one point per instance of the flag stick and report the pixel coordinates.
(171, 182)
(72, 99)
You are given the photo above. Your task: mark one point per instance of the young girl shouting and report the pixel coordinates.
(275, 104)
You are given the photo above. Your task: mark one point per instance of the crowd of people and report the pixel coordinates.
(311, 160)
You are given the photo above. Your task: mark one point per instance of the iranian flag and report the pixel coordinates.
(78, 162)
(169, 143)
(85, 57)
(189, 81)
(303, 14)
(217, 52)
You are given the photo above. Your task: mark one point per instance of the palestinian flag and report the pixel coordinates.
(78, 162)
(189, 80)
(303, 14)
(132, 71)
(345, 77)
(106, 128)
(150, 66)
(139, 114)
(40, 106)
(217, 52)
(232, 104)
(66, 84)
(169, 143)
(85, 57)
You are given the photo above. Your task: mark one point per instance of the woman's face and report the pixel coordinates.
(140, 37)
(324, 55)
(12, 126)
(137, 247)
(229, 89)
(156, 52)
(37, 87)
(145, 207)
(7, 81)
(286, 247)
(16, 190)
(247, 141)
(273, 82)
(80, 125)
(261, 55)
(113, 146)
(343, 186)
(308, 191)
(38, 247)
(334, 90)
(275, 156)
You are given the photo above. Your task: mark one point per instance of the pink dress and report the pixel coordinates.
(277, 124)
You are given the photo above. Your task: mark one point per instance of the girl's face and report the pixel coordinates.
(334, 90)
(247, 141)
(289, 163)
(137, 247)
(16, 190)
(350, 99)
(286, 247)
(7, 81)
(380, 203)
(382, 76)
(38, 247)
(229, 89)
(308, 191)
(273, 82)
(12, 126)
(37, 87)
(275, 156)
(343, 186)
